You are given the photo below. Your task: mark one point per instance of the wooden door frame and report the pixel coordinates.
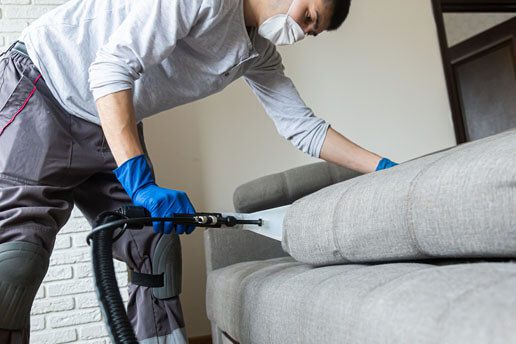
(461, 6)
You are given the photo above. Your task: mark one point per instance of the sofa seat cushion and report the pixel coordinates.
(457, 203)
(283, 301)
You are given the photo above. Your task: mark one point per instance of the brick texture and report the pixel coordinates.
(15, 15)
(66, 308)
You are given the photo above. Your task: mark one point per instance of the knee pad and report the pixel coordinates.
(165, 279)
(167, 261)
(23, 265)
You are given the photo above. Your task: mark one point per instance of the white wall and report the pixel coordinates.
(378, 80)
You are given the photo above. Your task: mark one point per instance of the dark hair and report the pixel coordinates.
(340, 13)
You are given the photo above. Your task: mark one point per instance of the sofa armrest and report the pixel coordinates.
(226, 246)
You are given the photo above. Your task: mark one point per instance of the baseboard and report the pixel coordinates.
(200, 340)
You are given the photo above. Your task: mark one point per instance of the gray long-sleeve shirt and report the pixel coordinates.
(169, 52)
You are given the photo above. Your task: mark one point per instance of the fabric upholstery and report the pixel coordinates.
(457, 203)
(283, 188)
(226, 246)
(284, 301)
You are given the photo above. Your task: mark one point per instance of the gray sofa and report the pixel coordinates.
(420, 253)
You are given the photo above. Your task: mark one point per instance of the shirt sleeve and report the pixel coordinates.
(276, 92)
(147, 36)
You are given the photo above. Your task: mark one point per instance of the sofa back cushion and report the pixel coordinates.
(457, 203)
(279, 189)
(227, 246)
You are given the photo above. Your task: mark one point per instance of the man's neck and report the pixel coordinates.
(251, 13)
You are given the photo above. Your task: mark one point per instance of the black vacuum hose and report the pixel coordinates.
(106, 285)
(101, 241)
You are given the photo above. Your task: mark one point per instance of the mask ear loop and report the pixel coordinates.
(288, 14)
(282, 14)
(290, 7)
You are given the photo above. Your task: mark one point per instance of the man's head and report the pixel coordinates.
(314, 16)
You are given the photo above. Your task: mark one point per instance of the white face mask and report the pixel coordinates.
(282, 29)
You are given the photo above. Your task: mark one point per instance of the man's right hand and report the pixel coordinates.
(136, 178)
(116, 113)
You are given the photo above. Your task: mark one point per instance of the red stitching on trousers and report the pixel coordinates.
(22, 107)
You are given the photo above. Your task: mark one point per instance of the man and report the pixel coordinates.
(71, 101)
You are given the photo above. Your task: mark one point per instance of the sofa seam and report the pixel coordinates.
(333, 216)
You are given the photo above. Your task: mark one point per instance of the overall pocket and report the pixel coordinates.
(16, 102)
(34, 140)
(8, 82)
(16, 89)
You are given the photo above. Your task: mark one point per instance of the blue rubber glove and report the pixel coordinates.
(136, 178)
(385, 164)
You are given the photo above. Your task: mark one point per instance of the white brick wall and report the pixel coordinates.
(66, 308)
(15, 15)
(10, 25)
